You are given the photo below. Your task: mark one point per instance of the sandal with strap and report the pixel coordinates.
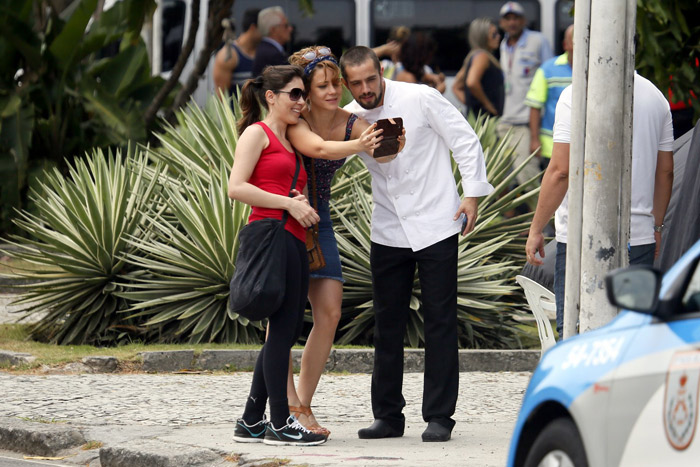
(312, 427)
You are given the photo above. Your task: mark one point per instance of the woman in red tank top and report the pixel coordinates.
(262, 173)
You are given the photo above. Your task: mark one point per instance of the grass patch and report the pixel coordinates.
(92, 445)
(42, 420)
(14, 337)
(529, 336)
(13, 332)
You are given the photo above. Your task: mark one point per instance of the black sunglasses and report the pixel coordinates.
(295, 94)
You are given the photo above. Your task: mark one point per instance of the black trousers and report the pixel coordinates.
(393, 271)
(285, 326)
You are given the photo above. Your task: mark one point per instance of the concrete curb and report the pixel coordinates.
(154, 453)
(38, 439)
(340, 360)
(15, 358)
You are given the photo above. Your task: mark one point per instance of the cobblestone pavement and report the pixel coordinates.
(486, 411)
(212, 399)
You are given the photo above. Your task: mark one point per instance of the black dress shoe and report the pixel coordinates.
(380, 429)
(436, 433)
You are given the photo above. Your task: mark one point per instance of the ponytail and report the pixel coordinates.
(250, 100)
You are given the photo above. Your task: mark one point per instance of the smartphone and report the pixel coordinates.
(392, 130)
(464, 224)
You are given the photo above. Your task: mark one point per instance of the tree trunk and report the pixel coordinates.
(218, 10)
(152, 110)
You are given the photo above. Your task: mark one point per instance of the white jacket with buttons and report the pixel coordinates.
(415, 195)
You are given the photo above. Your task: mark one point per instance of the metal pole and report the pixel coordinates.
(582, 25)
(600, 247)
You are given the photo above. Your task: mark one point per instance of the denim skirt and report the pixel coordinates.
(329, 246)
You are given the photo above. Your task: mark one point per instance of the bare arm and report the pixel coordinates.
(436, 80)
(388, 49)
(535, 122)
(312, 145)
(555, 183)
(480, 64)
(406, 77)
(250, 146)
(223, 69)
(458, 85)
(663, 185)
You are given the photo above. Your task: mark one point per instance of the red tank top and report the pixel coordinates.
(274, 173)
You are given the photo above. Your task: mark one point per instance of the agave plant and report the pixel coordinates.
(507, 195)
(486, 256)
(202, 140)
(183, 268)
(78, 236)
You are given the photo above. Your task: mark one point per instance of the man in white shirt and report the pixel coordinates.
(652, 180)
(416, 220)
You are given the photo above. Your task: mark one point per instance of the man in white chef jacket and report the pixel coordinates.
(416, 220)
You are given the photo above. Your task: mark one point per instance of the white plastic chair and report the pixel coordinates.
(543, 306)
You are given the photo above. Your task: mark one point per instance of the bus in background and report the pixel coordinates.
(341, 24)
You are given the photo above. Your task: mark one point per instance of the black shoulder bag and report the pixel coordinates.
(258, 283)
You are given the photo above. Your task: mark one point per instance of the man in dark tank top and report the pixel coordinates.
(233, 62)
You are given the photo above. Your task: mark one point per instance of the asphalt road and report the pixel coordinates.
(12, 459)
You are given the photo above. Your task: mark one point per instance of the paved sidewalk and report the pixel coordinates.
(170, 420)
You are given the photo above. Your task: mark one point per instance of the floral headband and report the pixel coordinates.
(316, 57)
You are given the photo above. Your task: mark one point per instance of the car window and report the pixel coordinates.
(691, 298)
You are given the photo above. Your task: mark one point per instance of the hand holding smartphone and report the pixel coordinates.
(389, 145)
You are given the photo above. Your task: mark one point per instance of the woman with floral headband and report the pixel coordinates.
(322, 121)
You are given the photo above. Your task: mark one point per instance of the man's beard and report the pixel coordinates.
(374, 103)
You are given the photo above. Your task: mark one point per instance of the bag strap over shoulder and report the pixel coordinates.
(285, 214)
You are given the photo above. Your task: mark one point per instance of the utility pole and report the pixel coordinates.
(582, 32)
(608, 123)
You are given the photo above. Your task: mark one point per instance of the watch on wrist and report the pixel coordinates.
(659, 228)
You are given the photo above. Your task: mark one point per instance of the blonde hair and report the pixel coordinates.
(399, 33)
(479, 39)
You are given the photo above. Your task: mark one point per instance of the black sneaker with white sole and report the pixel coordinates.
(292, 434)
(245, 433)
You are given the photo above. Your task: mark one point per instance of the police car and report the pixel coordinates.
(625, 394)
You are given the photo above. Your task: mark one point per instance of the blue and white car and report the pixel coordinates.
(626, 394)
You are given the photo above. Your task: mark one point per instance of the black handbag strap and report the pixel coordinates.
(285, 214)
